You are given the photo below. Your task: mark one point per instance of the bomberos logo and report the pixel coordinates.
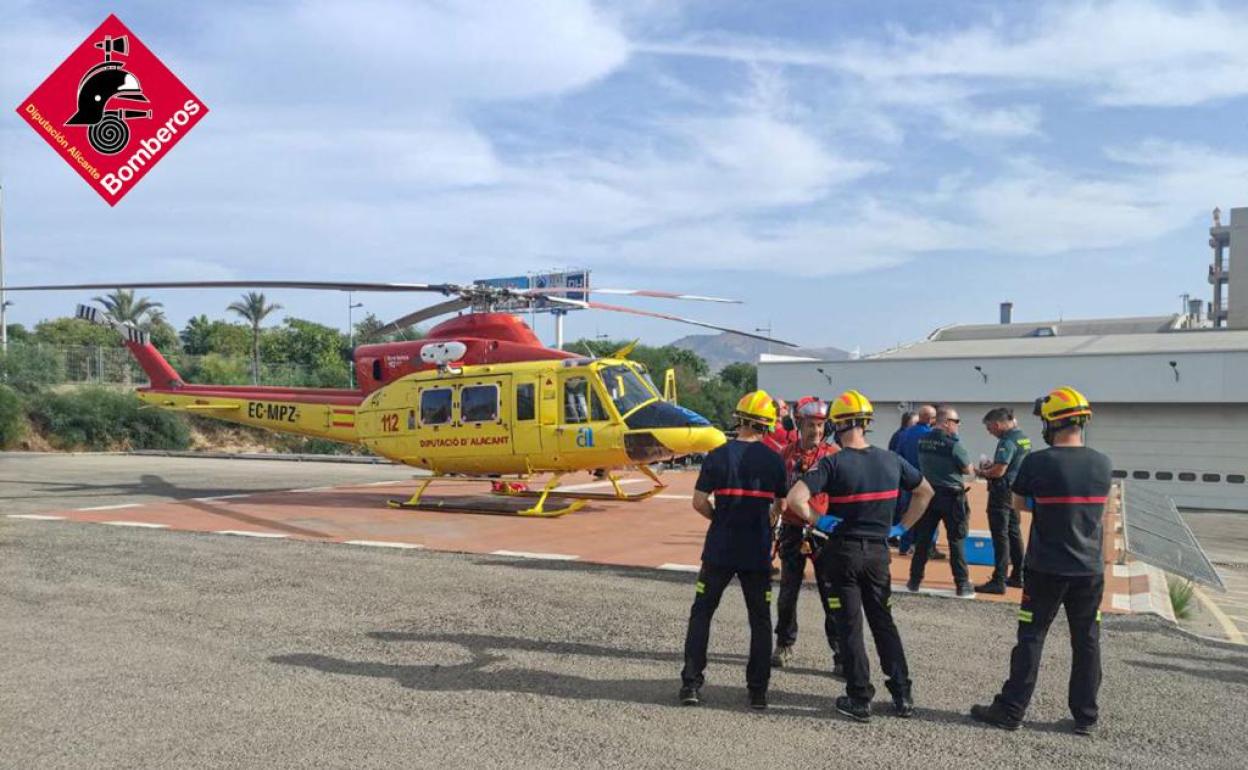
(112, 110)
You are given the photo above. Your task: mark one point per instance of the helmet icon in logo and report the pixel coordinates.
(108, 82)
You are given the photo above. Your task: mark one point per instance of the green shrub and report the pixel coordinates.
(215, 369)
(12, 417)
(100, 419)
(1181, 595)
(30, 368)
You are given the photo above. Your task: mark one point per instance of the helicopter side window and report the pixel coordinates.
(435, 406)
(525, 403)
(479, 403)
(579, 402)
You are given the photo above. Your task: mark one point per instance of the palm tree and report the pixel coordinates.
(254, 310)
(121, 305)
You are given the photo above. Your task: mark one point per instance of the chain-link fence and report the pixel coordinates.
(30, 367)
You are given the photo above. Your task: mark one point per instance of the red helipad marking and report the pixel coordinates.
(660, 532)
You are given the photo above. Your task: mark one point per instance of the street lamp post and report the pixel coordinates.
(4, 305)
(351, 306)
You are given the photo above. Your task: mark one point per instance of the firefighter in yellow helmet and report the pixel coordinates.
(740, 489)
(1065, 487)
(862, 483)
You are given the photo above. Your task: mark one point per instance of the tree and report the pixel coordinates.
(121, 305)
(742, 377)
(254, 309)
(202, 336)
(18, 333)
(74, 332)
(368, 330)
(164, 336)
(318, 350)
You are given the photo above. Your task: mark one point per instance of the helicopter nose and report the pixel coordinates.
(665, 443)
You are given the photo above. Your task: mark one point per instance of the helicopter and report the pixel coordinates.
(478, 398)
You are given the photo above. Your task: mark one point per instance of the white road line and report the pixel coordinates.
(383, 544)
(680, 567)
(673, 497)
(112, 507)
(312, 489)
(385, 483)
(528, 555)
(219, 497)
(34, 516)
(245, 533)
(145, 524)
(1228, 626)
(900, 588)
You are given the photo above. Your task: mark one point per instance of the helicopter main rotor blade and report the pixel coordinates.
(433, 311)
(665, 317)
(441, 288)
(627, 292)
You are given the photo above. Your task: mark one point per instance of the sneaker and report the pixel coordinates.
(859, 712)
(904, 551)
(1085, 728)
(1014, 581)
(937, 555)
(991, 588)
(912, 586)
(758, 700)
(781, 656)
(966, 591)
(994, 715)
(903, 707)
(689, 696)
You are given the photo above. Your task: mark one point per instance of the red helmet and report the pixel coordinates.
(811, 408)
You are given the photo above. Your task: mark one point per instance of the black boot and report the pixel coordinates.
(994, 715)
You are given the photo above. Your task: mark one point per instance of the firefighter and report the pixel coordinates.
(748, 482)
(1065, 487)
(784, 432)
(944, 462)
(862, 483)
(801, 457)
(1007, 537)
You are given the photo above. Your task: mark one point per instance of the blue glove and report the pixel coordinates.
(897, 531)
(827, 523)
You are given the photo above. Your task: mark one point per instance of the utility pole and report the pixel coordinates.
(351, 306)
(4, 303)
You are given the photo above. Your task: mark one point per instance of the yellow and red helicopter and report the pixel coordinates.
(479, 397)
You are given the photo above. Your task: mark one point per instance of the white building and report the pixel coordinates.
(1169, 394)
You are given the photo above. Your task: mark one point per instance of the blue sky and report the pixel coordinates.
(859, 173)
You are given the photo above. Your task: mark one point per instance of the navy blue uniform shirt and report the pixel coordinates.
(862, 487)
(1070, 485)
(745, 477)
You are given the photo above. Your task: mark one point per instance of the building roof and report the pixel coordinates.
(1084, 327)
(1186, 341)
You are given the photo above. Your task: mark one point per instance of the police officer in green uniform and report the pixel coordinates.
(1066, 486)
(944, 461)
(1007, 538)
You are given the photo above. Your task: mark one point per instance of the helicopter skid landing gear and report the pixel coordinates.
(496, 506)
(616, 494)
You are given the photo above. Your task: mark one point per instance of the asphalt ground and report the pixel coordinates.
(130, 648)
(1224, 537)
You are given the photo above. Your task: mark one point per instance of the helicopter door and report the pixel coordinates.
(483, 419)
(526, 435)
(583, 415)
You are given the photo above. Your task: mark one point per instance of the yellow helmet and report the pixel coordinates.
(851, 406)
(1064, 403)
(758, 408)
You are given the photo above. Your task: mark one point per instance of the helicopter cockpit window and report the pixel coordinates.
(579, 402)
(435, 406)
(479, 403)
(628, 390)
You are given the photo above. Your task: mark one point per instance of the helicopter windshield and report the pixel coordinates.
(628, 390)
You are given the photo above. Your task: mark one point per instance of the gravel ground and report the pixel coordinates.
(130, 648)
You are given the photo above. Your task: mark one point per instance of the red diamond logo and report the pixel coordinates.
(112, 110)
